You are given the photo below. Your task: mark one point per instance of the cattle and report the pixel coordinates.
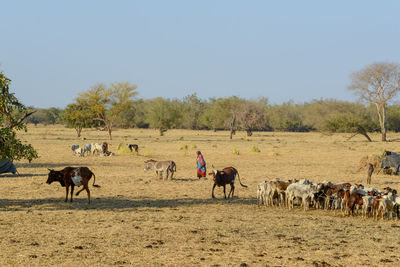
(73, 147)
(133, 147)
(78, 152)
(87, 149)
(71, 177)
(159, 167)
(96, 148)
(224, 177)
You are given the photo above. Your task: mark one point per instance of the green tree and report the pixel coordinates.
(349, 123)
(221, 114)
(192, 110)
(377, 84)
(108, 103)
(78, 116)
(12, 115)
(164, 114)
(287, 117)
(45, 116)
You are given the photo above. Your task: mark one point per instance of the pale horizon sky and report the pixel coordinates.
(281, 50)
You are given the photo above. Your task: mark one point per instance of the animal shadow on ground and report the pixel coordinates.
(391, 182)
(109, 203)
(22, 175)
(185, 179)
(46, 165)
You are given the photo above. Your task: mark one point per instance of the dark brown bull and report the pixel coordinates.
(224, 177)
(72, 176)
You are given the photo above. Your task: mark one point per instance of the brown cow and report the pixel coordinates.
(72, 176)
(224, 177)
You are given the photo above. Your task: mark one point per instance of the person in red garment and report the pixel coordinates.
(201, 165)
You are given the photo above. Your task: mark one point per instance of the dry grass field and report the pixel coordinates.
(135, 219)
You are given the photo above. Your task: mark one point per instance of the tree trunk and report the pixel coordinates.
(384, 123)
(109, 128)
(381, 109)
(78, 131)
(162, 131)
(232, 126)
(109, 133)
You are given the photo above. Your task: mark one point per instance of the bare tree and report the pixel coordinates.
(377, 84)
(251, 116)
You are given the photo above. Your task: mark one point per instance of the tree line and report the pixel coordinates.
(192, 112)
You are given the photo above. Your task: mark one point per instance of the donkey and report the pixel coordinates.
(160, 166)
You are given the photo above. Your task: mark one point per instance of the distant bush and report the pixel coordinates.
(123, 149)
(255, 149)
(235, 151)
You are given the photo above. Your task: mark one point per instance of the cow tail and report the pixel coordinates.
(240, 181)
(94, 180)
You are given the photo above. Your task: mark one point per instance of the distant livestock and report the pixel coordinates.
(87, 149)
(96, 148)
(224, 177)
(73, 147)
(160, 166)
(72, 176)
(78, 151)
(133, 147)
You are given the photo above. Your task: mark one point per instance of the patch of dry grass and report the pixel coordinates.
(137, 219)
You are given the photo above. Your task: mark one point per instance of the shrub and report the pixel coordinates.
(255, 149)
(235, 151)
(123, 149)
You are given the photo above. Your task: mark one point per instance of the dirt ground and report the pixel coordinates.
(136, 219)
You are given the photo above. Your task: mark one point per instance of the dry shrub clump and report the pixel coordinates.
(123, 149)
(374, 159)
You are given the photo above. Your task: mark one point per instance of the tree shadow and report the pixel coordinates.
(113, 203)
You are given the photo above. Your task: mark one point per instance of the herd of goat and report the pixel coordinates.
(327, 195)
(348, 198)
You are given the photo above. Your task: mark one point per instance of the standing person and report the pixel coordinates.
(201, 165)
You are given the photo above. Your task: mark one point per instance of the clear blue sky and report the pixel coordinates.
(282, 50)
